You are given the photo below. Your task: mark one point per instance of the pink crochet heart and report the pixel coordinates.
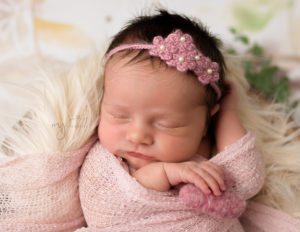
(228, 205)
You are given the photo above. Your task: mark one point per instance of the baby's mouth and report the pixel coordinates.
(122, 153)
(139, 155)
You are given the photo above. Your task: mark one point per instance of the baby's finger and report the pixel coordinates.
(209, 180)
(212, 183)
(215, 167)
(216, 173)
(197, 180)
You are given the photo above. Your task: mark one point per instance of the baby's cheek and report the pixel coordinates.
(109, 135)
(105, 133)
(178, 150)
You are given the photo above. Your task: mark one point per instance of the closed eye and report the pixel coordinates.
(170, 125)
(118, 115)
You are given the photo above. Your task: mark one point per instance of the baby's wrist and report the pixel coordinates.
(153, 176)
(228, 112)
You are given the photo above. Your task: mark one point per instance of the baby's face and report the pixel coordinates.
(151, 113)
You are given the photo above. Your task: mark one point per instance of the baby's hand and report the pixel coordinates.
(228, 127)
(230, 97)
(207, 176)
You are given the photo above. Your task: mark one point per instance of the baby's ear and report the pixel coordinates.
(214, 110)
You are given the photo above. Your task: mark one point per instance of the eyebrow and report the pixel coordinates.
(114, 104)
(154, 111)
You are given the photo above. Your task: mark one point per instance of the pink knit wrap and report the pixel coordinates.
(113, 200)
(39, 192)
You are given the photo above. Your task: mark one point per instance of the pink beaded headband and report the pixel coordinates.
(179, 51)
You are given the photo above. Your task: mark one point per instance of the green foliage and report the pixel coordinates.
(256, 50)
(255, 15)
(261, 73)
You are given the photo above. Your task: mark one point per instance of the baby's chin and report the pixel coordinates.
(136, 163)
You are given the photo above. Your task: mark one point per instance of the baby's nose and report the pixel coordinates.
(139, 133)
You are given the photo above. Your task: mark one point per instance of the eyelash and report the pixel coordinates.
(118, 116)
(162, 125)
(169, 126)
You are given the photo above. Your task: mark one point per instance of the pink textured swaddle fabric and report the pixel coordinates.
(39, 192)
(112, 200)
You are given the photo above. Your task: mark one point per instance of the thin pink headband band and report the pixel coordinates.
(179, 51)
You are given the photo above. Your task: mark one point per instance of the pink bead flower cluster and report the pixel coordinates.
(179, 51)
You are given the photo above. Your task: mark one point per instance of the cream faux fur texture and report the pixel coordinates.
(65, 113)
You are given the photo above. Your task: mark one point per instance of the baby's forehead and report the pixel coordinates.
(138, 58)
(133, 60)
(154, 73)
(144, 65)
